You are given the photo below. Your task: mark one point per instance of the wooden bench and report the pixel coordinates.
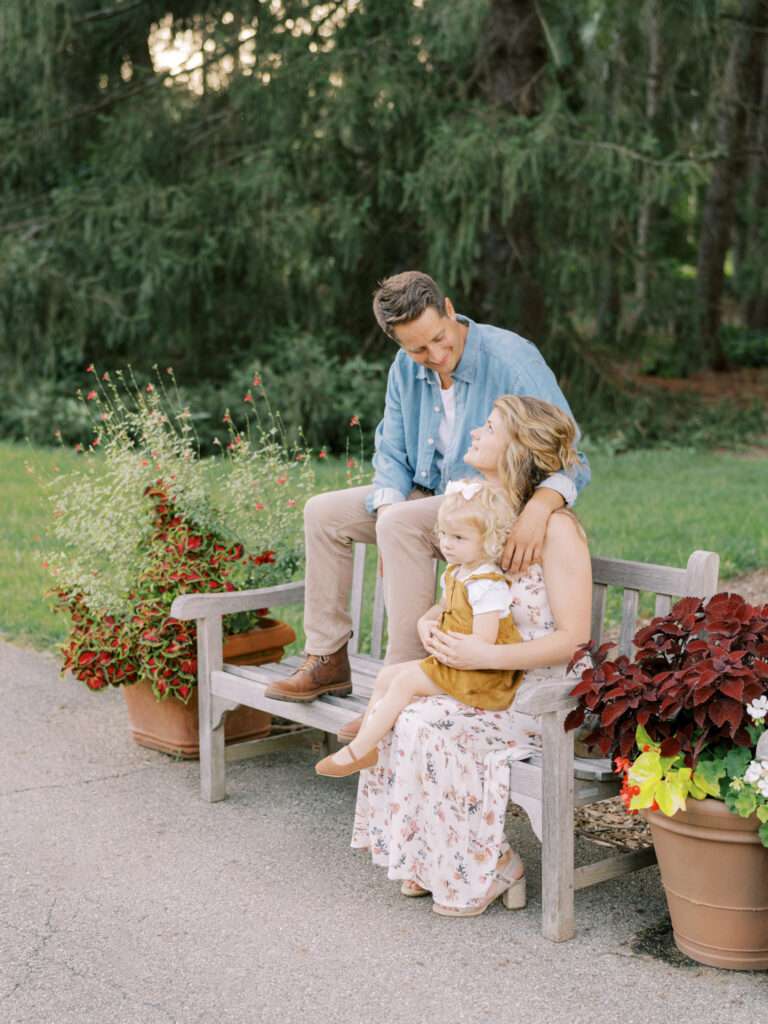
(547, 787)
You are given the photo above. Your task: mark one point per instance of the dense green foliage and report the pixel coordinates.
(237, 216)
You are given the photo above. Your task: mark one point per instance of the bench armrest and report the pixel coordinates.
(539, 694)
(203, 606)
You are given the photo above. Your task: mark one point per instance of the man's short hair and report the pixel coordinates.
(404, 297)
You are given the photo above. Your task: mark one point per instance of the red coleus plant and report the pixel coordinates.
(149, 643)
(693, 674)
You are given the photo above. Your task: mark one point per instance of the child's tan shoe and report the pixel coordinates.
(333, 770)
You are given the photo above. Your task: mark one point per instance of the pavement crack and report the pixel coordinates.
(81, 782)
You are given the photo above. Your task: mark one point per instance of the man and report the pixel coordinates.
(442, 383)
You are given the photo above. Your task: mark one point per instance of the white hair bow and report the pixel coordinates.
(466, 488)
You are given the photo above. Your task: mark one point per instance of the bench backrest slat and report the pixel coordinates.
(668, 583)
(356, 599)
(379, 614)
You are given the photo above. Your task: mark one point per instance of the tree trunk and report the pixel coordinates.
(513, 56)
(652, 92)
(718, 211)
(756, 247)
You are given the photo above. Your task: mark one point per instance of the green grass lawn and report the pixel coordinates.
(652, 506)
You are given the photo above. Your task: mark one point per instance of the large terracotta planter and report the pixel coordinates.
(715, 873)
(170, 726)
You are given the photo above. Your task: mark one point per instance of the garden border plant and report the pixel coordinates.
(144, 518)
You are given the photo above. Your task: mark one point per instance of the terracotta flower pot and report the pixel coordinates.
(171, 726)
(715, 873)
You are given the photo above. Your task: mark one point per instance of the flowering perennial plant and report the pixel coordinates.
(145, 519)
(686, 716)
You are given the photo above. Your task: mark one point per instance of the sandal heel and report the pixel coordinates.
(514, 898)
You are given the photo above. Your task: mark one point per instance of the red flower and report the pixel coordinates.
(259, 507)
(322, 454)
(91, 395)
(248, 397)
(150, 388)
(291, 503)
(256, 382)
(281, 480)
(90, 368)
(354, 422)
(105, 377)
(350, 463)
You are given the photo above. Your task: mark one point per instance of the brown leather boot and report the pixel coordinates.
(320, 673)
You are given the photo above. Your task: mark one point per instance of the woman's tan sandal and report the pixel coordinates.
(350, 730)
(411, 888)
(512, 896)
(333, 770)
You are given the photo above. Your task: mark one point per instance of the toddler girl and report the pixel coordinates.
(472, 523)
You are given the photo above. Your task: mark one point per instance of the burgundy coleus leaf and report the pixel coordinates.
(726, 710)
(573, 719)
(585, 686)
(702, 694)
(670, 707)
(670, 747)
(733, 688)
(616, 691)
(613, 712)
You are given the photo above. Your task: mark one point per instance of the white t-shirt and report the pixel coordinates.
(447, 421)
(484, 595)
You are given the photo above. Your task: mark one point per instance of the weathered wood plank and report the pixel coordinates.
(615, 572)
(599, 592)
(558, 923)
(701, 574)
(377, 623)
(629, 604)
(662, 605)
(356, 597)
(613, 867)
(199, 606)
(213, 784)
(537, 696)
(316, 714)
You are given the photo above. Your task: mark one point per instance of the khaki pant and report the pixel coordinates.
(405, 539)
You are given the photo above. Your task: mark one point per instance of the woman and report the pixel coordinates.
(433, 809)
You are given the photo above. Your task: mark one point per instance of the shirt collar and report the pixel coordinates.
(468, 363)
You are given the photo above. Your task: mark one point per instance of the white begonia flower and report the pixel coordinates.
(754, 772)
(762, 786)
(758, 708)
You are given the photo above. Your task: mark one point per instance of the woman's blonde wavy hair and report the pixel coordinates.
(488, 511)
(541, 441)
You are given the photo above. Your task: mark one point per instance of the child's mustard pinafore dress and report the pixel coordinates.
(490, 689)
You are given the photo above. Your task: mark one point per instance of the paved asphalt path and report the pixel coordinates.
(125, 899)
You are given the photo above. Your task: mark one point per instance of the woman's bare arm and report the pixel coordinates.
(568, 579)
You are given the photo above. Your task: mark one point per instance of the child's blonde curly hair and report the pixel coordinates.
(483, 507)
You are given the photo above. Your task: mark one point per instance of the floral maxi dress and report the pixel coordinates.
(433, 808)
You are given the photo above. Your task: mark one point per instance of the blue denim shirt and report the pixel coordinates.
(495, 362)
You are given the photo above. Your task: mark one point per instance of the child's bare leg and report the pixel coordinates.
(408, 683)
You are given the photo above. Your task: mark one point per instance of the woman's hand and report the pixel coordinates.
(460, 650)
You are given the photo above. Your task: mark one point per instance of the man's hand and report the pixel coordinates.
(526, 538)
